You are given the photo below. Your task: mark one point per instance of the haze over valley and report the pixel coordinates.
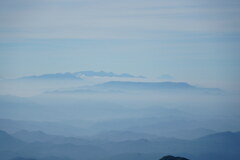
(115, 111)
(119, 80)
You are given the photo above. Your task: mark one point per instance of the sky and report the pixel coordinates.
(192, 40)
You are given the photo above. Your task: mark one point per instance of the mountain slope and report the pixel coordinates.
(12, 148)
(8, 141)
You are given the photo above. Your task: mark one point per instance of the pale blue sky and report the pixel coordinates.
(193, 40)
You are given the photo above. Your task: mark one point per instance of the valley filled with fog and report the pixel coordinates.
(119, 80)
(106, 116)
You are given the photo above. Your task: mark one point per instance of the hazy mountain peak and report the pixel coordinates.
(105, 74)
(66, 75)
(147, 85)
(223, 135)
(78, 75)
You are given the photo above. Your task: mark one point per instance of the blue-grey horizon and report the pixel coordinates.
(195, 41)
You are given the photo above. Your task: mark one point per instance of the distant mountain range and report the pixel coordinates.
(146, 85)
(123, 86)
(110, 82)
(55, 76)
(80, 75)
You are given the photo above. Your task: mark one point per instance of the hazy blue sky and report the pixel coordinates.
(192, 40)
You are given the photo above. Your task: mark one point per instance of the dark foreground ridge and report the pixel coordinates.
(173, 158)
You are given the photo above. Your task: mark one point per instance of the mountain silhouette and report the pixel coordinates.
(173, 158)
(54, 76)
(147, 85)
(105, 74)
(156, 86)
(203, 148)
(78, 75)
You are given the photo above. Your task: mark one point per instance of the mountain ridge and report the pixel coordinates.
(79, 75)
(195, 149)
